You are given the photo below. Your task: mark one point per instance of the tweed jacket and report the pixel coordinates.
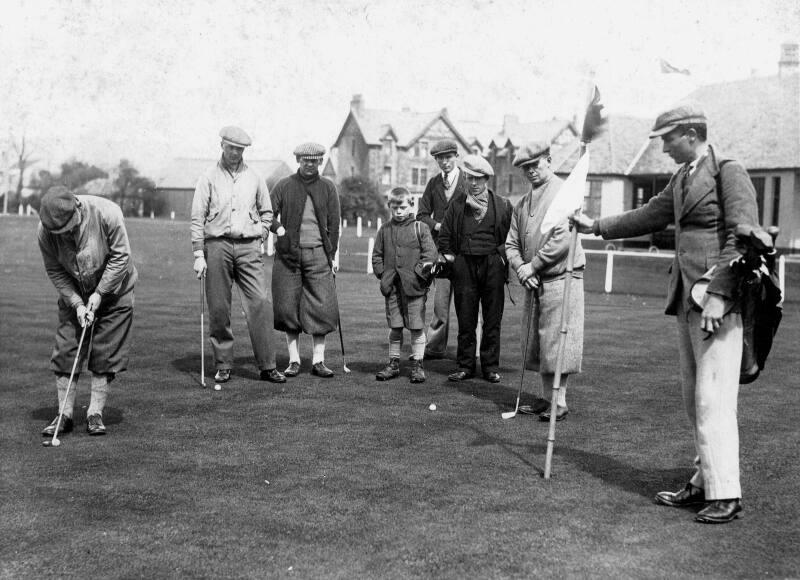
(705, 220)
(288, 202)
(434, 202)
(450, 235)
(399, 253)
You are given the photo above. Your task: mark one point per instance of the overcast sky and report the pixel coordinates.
(152, 80)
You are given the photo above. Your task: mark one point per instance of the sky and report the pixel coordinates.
(152, 80)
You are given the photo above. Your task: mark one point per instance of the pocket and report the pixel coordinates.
(254, 217)
(211, 217)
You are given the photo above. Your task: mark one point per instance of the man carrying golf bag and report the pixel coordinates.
(87, 256)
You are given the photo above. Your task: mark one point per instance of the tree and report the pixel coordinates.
(360, 198)
(23, 154)
(135, 193)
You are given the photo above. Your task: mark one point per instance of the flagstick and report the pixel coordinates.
(562, 343)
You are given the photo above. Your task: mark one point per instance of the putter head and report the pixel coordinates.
(51, 443)
(509, 415)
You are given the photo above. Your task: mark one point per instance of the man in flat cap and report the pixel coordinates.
(441, 188)
(540, 261)
(87, 257)
(231, 216)
(307, 225)
(473, 239)
(706, 198)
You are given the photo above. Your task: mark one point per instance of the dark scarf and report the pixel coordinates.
(307, 180)
(479, 204)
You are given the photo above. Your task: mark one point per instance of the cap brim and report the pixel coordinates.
(474, 173)
(529, 161)
(663, 130)
(445, 152)
(73, 221)
(234, 143)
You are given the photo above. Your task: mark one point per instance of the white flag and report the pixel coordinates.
(570, 198)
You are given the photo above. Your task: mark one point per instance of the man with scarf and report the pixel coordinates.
(472, 239)
(303, 287)
(231, 215)
(540, 261)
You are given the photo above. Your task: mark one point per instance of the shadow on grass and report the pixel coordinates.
(243, 367)
(111, 415)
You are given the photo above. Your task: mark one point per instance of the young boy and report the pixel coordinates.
(403, 258)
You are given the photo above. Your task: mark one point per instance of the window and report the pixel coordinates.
(423, 148)
(510, 183)
(414, 175)
(387, 146)
(353, 147)
(423, 176)
(352, 171)
(419, 175)
(592, 197)
(776, 200)
(759, 183)
(416, 150)
(386, 179)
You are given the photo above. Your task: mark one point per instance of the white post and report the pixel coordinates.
(782, 276)
(152, 215)
(344, 224)
(172, 215)
(20, 209)
(370, 249)
(270, 244)
(378, 224)
(358, 227)
(369, 223)
(609, 271)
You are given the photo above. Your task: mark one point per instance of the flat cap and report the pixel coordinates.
(235, 136)
(682, 115)
(57, 210)
(310, 151)
(444, 147)
(477, 166)
(531, 152)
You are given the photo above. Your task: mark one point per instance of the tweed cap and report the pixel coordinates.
(58, 210)
(682, 115)
(310, 151)
(444, 147)
(477, 166)
(531, 152)
(235, 136)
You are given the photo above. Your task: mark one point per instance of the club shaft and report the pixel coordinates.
(69, 384)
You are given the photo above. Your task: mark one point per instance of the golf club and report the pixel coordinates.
(55, 441)
(202, 330)
(341, 336)
(512, 414)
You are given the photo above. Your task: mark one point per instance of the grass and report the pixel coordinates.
(350, 478)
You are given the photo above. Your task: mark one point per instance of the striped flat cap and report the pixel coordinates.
(531, 152)
(444, 147)
(687, 114)
(235, 136)
(310, 151)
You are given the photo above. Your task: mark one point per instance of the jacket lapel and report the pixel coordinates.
(700, 184)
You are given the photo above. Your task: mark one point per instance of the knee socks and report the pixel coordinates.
(61, 385)
(319, 348)
(97, 399)
(294, 349)
(395, 342)
(418, 344)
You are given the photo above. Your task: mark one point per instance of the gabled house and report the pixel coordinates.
(178, 180)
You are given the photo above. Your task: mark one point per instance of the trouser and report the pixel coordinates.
(439, 327)
(305, 296)
(710, 379)
(478, 285)
(239, 261)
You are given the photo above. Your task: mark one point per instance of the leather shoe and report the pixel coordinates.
(64, 427)
(561, 414)
(719, 511)
(273, 376)
(292, 370)
(460, 375)
(539, 406)
(222, 376)
(319, 369)
(492, 377)
(689, 495)
(94, 425)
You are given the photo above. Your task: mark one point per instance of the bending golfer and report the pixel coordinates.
(87, 256)
(540, 261)
(705, 199)
(402, 260)
(307, 225)
(231, 215)
(473, 239)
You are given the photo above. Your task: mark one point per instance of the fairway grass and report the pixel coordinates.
(353, 478)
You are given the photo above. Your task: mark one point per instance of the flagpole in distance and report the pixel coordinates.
(591, 125)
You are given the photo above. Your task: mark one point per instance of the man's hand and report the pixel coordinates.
(714, 308)
(92, 305)
(85, 316)
(525, 272)
(334, 268)
(532, 283)
(583, 223)
(200, 267)
(281, 232)
(437, 227)
(428, 269)
(449, 258)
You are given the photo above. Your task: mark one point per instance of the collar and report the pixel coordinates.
(453, 175)
(701, 154)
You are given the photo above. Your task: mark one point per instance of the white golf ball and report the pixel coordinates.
(217, 387)
(56, 442)
(432, 407)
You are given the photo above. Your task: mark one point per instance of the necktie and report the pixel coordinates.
(444, 178)
(683, 179)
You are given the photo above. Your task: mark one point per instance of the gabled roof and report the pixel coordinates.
(755, 121)
(182, 173)
(516, 134)
(477, 132)
(613, 151)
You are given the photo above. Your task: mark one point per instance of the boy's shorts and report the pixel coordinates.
(402, 311)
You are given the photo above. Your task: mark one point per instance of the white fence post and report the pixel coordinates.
(344, 224)
(782, 276)
(370, 249)
(358, 227)
(609, 272)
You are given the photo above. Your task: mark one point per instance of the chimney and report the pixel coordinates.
(790, 59)
(357, 104)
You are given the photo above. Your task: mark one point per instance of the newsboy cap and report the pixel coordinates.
(477, 166)
(682, 115)
(531, 152)
(444, 147)
(58, 210)
(310, 151)
(235, 136)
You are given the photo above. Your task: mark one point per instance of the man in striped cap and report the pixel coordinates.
(307, 225)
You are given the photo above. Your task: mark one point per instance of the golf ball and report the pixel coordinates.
(432, 407)
(217, 387)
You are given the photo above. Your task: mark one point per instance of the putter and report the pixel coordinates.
(341, 336)
(202, 331)
(512, 414)
(55, 441)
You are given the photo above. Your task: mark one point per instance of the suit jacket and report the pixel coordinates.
(434, 201)
(400, 250)
(450, 234)
(705, 220)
